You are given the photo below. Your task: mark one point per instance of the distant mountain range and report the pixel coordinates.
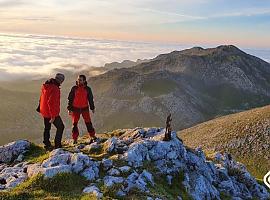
(124, 64)
(194, 85)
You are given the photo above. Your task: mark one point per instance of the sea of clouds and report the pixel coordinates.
(36, 56)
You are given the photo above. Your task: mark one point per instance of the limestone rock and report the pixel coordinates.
(11, 151)
(49, 172)
(109, 181)
(125, 169)
(94, 190)
(92, 172)
(107, 163)
(12, 176)
(114, 172)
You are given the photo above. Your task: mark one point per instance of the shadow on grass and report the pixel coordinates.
(62, 186)
(36, 154)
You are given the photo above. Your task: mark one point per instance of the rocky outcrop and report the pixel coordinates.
(61, 161)
(14, 174)
(11, 176)
(92, 189)
(145, 158)
(203, 179)
(13, 151)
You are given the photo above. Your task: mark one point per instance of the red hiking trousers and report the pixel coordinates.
(88, 123)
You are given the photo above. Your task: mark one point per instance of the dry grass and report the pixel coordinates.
(215, 134)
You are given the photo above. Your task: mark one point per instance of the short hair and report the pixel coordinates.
(83, 77)
(60, 77)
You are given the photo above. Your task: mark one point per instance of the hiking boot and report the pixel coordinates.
(48, 147)
(93, 139)
(58, 146)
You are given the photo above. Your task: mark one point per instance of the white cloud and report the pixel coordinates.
(261, 53)
(26, 56)
(34, 55)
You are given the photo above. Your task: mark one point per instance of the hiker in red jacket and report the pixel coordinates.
(79, 100)
(49, 107)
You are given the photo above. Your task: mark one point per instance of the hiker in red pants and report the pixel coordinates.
(80, 99)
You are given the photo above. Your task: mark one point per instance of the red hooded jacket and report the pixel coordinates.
(80, 98)
(50, 99)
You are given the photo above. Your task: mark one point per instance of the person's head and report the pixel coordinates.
(60, 78)
(81, 80)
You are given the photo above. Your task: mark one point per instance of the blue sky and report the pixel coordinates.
(199, 22)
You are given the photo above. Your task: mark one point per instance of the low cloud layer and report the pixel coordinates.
(33, 56)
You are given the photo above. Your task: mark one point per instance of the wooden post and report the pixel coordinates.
(168, 128)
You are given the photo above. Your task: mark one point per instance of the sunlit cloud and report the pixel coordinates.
(26, 56)
(36, 56)
(50, 32)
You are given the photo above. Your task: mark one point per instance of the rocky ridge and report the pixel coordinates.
(134, 160)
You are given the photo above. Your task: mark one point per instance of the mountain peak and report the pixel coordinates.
(221, 77)
(220, 50)
(197, 48)
(229, 48)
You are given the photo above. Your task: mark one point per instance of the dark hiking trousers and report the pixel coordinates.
(58, 123)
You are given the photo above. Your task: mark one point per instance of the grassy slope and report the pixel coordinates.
(155, 88)
(62, 186)
(17, 115)
(211, 135)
